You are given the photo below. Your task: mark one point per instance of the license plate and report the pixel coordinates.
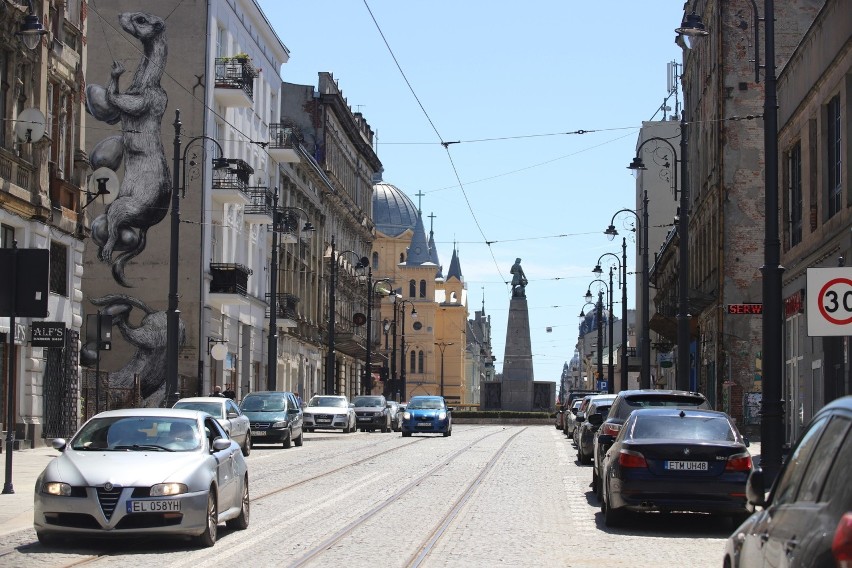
(686, 466)
(364, 419)
(164, 506)
(426, 424)
(258, 432)
(323, 421)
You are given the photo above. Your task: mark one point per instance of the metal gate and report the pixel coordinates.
(60, 389)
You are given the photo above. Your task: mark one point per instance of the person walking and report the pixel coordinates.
(217, 391)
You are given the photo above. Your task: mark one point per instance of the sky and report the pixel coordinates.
(538, 106)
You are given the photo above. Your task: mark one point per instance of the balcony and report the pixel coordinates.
(287, 226)
(229, 284)
(286, 315)
(284, 142)
(259, 208)
(230, 185)
(234, 85)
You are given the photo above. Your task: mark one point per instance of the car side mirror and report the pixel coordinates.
(232, 414)
(580, 418)
(450, 408)
(606, 439)
(220, 444)
(756, 488)
(351, 405)
(574, 411)
(596, 419)
(59, 444)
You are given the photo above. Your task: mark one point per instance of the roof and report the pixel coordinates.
(393, 211)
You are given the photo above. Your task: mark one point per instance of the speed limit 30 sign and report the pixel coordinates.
(829, 301)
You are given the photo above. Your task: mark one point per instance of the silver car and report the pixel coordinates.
(330, 412)
(226, 411)
(143, 471)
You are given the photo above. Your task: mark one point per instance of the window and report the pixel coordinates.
(794, 171)
(412, 289)
(59, 269)
(375, 260)
(4, 89)
(822, 459)
(413, 360)
(7, 236)
(787, 486)
(422, 288)
(835, 161)
(420, 359)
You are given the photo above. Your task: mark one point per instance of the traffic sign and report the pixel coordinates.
(829, 307)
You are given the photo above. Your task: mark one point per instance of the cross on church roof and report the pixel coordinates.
(419, 195)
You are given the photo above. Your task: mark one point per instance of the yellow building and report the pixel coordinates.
(425, 322)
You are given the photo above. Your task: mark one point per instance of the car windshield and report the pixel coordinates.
(334, 401)
(255, 403)
(129, 433)
(425, 403)
(647, 401)
(214, 409)
(369, 401)
(705, 428)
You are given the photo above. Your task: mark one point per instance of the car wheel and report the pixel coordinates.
(241, 522)
(288, 441)
(448, 433)
(596, 484)
(298, 441)
(208, 537)
(406, 434)
(386, 428)
(612, 517)
(246, 449)
(48, 539)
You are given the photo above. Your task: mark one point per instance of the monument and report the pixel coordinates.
(518, 389)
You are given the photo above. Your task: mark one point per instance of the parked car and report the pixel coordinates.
(427, 415)
(807, 518)
(571, 418)
(580, 417)
(227, 413)
(395, 415)
(626, 402)
(143, 471)
(276, 417)
(329, 412)
(671, 459)
(598, 404)
(371, 412)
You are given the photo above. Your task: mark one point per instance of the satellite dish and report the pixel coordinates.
(29, 127)
(219, 351)
(103, 183)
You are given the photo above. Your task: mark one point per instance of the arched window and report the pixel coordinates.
(375, 260)
(401, 257)
(412, 289)
(413, 360)
(422, 288)
(420, 362)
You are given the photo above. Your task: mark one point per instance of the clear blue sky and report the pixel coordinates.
(508, 80)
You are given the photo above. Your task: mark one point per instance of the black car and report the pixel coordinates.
(588, 429)
(371, 413)
(275, 417)
(626, 402)
(807, 519)
(671, 459)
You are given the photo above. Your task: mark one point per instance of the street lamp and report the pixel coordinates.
(582, 317)
(599, 307)
(401, 306)
(597, 271)
(31, 30)
(280, 222)
(645, 337)
(683, 333)
(442, 345)
(371, 292)
(173, 314)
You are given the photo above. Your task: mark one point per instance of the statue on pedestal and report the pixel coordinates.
(519, 280)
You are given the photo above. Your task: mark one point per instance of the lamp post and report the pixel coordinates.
(371, 292)
(330, 358)
(597, 271)
(402, 381)
(278, 226)
(683, 333)
(599, 318)
(442, 345)
(31, 31)
(173, 314)
(645, 337)
(582, 318)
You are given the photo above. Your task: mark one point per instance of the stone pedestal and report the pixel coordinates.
(517, 390)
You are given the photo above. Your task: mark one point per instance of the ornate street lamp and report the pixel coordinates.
(31, 31)
(622, 265)
(599, 317)
(442, 346)
(400, 304)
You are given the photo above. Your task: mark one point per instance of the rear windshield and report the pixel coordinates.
(706, 428)
(651, 401)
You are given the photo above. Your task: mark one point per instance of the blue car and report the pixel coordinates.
(427, 415)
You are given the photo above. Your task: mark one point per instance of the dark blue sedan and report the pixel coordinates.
(427, 415)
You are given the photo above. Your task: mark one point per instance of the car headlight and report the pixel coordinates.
(406, 416)
(442, 415)
(164, 489)
(280, 425)
(56, 488)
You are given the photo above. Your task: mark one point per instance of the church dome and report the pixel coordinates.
(393, 211)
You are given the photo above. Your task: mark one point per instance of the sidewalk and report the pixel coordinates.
(16, 509)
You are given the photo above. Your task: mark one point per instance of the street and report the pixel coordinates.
(488, 495)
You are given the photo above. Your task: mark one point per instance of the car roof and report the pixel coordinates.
(426, 397)
(600, 397)
(637, 392)
(269, 392)
(151, 412)
(675, 411)
(844, 403)
(218, 399)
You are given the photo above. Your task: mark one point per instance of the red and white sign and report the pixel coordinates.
(829, 301)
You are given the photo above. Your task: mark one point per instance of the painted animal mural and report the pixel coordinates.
(150, 339)
(143, 199)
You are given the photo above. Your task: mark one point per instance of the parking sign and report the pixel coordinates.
(829, 306)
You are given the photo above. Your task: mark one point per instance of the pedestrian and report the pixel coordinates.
(299, 398)
(217, 391)
(229, 392)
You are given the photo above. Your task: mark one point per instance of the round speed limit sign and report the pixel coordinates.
(829, 301)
